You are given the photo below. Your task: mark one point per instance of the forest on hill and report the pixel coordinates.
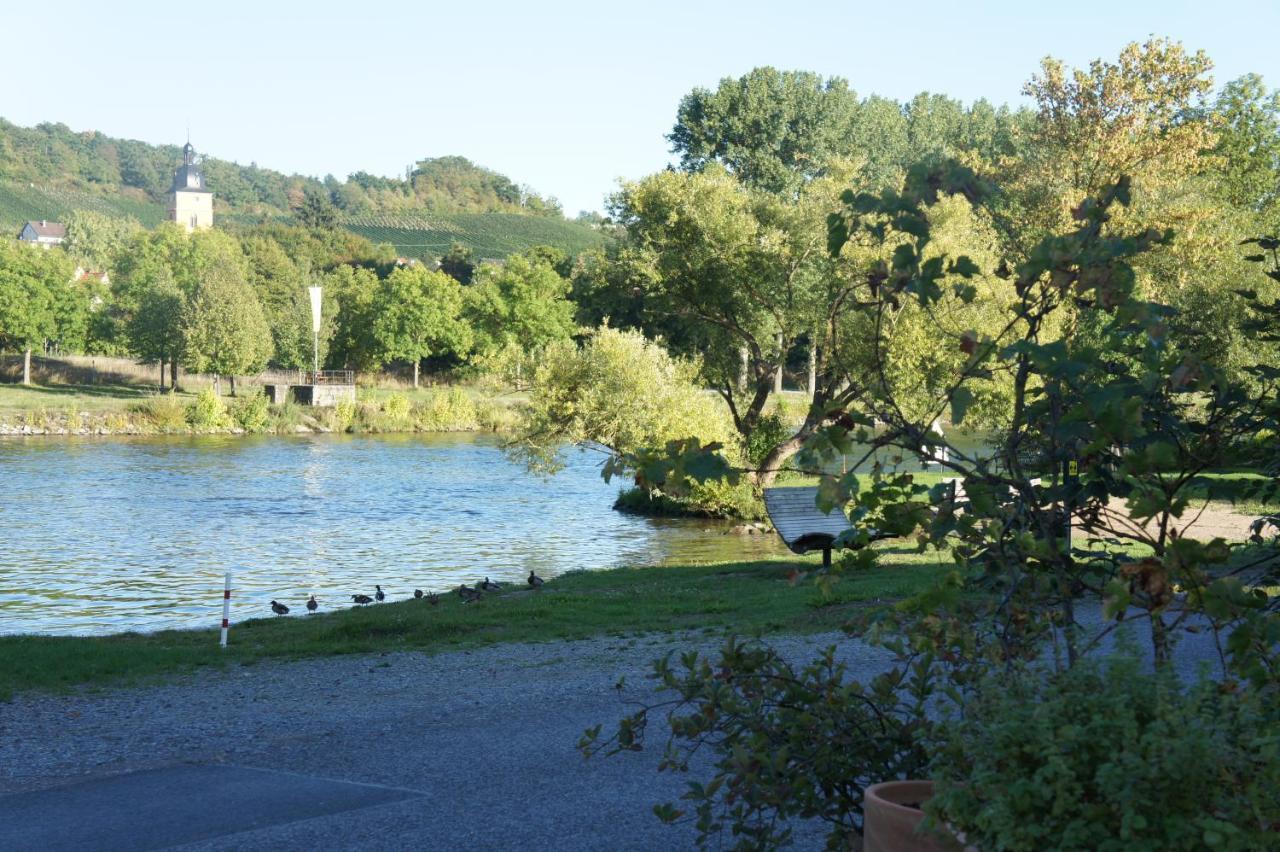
(54, 157)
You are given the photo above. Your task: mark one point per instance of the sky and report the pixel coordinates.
(567, 97)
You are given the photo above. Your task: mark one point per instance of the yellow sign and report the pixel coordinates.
(1073, 468)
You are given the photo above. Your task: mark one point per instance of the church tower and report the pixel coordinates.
(190, 203)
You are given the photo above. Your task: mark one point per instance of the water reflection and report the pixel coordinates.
(108, 535)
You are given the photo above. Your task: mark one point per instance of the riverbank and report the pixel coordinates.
(130, 410)
(741, 597)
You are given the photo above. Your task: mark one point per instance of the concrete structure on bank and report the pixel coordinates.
(323, 388)
(190, 201)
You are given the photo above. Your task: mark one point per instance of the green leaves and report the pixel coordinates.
(961, 399)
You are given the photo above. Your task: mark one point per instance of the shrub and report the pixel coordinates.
(1109, 758)
(344, 415)
(770, 431)
(207, 412)
(167, 413)
(449, 410)
(397, 407)
(252, 412)
(289, 417)
(74, 421)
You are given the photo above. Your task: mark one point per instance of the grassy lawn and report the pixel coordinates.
(17, 399)
(717, 599)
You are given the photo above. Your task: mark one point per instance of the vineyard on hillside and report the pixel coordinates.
(489, 235)
(21, 203)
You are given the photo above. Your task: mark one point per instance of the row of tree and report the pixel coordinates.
(727, 259)
(231, 304)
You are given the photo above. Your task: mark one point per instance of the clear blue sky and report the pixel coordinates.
(567, 97)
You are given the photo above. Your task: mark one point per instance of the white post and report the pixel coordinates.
(226, 609)
(315, 293)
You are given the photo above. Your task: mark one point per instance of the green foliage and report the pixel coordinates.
(251, 412)
(521, 306)
(769, 432)
(207, 412)
(167, 413)
(618, 390)
(1109, 758)
(223, 328)
(397, 407)
(790, 741)
(418, 314)
(38, 300)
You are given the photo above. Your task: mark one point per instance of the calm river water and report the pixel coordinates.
(102, 535)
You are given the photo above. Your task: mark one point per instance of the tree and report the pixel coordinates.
(519, 308)
(223, 329)
(418, 314)
(97, 240)
(772, 129)
(353, 291)
(1249, 142)
(317, 211)
(156, 325)
(459, 264)
(38, 300)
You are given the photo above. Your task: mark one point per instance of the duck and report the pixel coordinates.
(433, 598)
(417, 593)
(362, 599)
(312, 604)
(535, 582)
(489, 586)
(468, 594)
(279, 608)
(379, 595)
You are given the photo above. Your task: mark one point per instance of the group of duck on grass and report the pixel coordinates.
(468, 594)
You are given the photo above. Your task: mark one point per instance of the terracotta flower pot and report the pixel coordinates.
(893, 815)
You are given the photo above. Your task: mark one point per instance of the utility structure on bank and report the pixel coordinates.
(314, 386)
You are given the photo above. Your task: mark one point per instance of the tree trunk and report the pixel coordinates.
(162, 364)
(232, 379)
(416, 362)
(26, 366)
(813, 368)
(173, 375)
(217, 385)
(779, 455)
(744, 365)
(782, 360)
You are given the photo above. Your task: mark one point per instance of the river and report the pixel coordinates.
(105, 535)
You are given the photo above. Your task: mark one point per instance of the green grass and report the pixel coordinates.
(732, 597)
(19, 400)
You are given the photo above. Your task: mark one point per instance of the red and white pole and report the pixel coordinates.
(226, 609)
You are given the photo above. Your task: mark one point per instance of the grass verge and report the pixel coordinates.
(746, 597)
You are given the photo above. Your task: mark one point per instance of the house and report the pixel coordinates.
(90, 276)
(43, 233)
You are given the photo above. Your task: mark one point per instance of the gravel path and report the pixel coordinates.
(487, 736)
(484, 741)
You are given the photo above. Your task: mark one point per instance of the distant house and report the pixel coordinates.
(90, 276)
(43, 233)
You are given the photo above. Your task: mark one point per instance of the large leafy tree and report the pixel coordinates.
(39, 303)
(418, 314)
(1249, 143)
(223, 328)
(772, 129)
(97, 240)
(519, 308)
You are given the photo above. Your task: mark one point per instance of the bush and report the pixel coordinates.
(344, 415)
(397, 407)
(167, 413)
(770, 431)
(449, 410)
(207, 412)
(1109, 758)
(251, 413)
(74, 421)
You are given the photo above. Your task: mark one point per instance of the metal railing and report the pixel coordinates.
(328, 377)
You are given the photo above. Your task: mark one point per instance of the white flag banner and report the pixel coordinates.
(315, 308)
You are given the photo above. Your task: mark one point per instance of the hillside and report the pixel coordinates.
(488, 235)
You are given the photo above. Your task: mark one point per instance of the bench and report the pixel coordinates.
(801, 525)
